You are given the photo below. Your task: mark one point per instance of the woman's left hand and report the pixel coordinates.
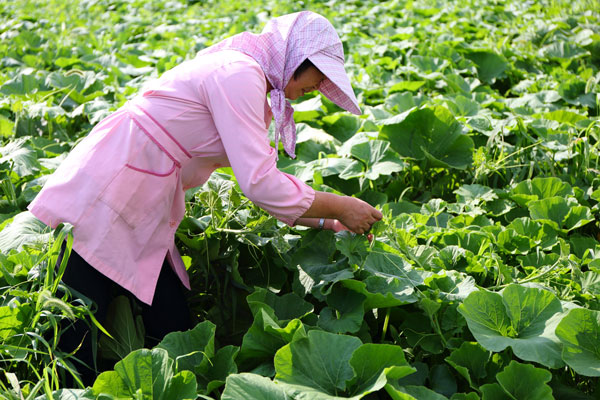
(336, 226)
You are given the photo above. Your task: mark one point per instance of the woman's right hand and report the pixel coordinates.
(358, 215)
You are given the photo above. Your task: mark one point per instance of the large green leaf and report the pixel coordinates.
(74, 81)
(541, 100)
(514, 243)
(24, 229)
(286, 307)
(398, 392)
(428, 64)
(519, 381)
(470, 360)
(21, 157)
(6, 127)
(574, 92)
(266, 335)
(521, 317)
(308, 110)
(563, 50)
(392, 281)
(373, 364)
(577, 217)
(465, 396)
(320, 361)
(442, 380)
(381, 292)
(329, 366)
(489, 65)
(475, 194)
(579, 333)
(524, 234)
(560, 213)
(345, 311)
(23, 84)
(540, 188)
(316, 251)
(388, 265)
(463, 106)
(127, 332)
(341, 126)
(378, 158)
(352, 246)
(319, 279)
(473, 241)
(452, 258)
(194, 350)
(564, 116)
(369, 367)
(15, 267)
(146, 374)
(212, 375)
(431, 134)
(406, 85)
(584, 247)
(14, 320)
(191, 348)
(252, 386)
(590, 283)
(326, 166)
(451, 285)
(552, 209)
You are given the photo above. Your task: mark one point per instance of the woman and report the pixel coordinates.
(122, 188)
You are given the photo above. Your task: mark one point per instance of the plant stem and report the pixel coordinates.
(386, 322)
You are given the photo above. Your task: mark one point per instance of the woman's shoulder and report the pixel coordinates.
(233, 67)
(228, 56)
(228, 61)
(221, 67)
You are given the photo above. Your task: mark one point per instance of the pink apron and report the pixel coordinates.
(128, 171)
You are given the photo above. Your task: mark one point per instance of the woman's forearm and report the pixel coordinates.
(353, 213)
(325, 205)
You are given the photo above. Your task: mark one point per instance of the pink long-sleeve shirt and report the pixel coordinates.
(122, 187)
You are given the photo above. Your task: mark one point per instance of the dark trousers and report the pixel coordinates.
(169, 311)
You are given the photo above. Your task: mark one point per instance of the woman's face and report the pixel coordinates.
(308, 81)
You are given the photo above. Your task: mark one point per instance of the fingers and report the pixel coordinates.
(362, 227)
(360, 216)
(377, 214)
(365, 227)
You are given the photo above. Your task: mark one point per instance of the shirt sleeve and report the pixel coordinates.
(235, 95)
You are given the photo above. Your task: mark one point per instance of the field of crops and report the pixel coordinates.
(479, 142)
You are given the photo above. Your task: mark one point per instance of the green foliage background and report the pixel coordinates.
(479, 142)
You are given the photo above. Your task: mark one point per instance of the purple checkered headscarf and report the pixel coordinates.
(279, 49)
